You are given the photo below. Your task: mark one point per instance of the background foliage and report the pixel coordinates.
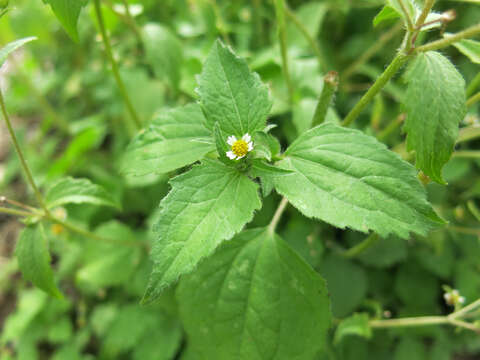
(75, 128)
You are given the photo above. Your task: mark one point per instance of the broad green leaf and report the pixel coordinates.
(206, 205)
(347, 284)
(387, 13)
(174, 139)
(357, 324)
(12, 46)
(435, 104)
(232, 95)
(255, 298)
(164, 52)
(34, 259)
(349, 179)
(78, 191)
(67, 12)
(469, 48)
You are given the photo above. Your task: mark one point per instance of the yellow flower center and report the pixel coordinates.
(240, 148)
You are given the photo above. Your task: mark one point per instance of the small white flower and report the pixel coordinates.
(453, 298)
(239, 148)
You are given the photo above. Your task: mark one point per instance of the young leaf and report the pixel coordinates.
(469, 48)
(349, 179)
(387, 13)
(12, 46)
(67, 12)
(78, 191)
(255, 298)
(34, 259)
(231, 95)
(409, 8)
(164, 51)
(435, 103)
(206, 205)
(357, 324)
(174, 139)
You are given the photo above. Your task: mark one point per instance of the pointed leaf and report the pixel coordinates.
(34, 259)
(206, 205)
(435, 103)
(174, 139)
(469, 48)
(12, 46)
(67, 12)
(255, 299)
(231, 94)
(78, 191)
(357, 324)
(349, 179)
(387, 13)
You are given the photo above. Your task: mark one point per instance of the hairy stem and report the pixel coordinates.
(330, 86)
(113, 63)
(407, 16)
(16, 212)
(23, 162)
(427, 7)
(442, 43)
(389, 72)
(277, 216)
(314, 45)
(282, 37)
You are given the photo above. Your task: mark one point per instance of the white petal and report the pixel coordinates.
(231, 140)
(231, 155)
(461, 299)
(455, 292)
(239, 157)
(246, 138)
(250, 146)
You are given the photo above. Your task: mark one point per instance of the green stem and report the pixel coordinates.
(330, 86)
(413, 321)
(463, 311)
(116, 73)
(391, 70)
(467, 154)
(474, 99)
(372, 50)
(15, 212)
(277, 216)
(464, 230)
(474, 85)
(473, 209)
(360, 248)
(442, 43)
(385, 133)
(291, 15)
(282, 37)
(427, 7)
(23, 162)
(410, 26)
(468, 133)
(127, 18)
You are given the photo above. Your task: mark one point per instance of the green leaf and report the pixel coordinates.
(206, 205)
(174, 139)
(221, 144)
(78, 191)
(164, 51)
(67, 12)
(12, 46)
(34, 259)
(231, 95)
(357, 324)
(349, 179)
(409, 7)
(469, 48)
(347, 284)
(255, 298)
(435, 103)
(387, 13)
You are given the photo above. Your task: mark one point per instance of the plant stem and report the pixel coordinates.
(427, 7)
(468, 133)
(361, 247)
(474, 84)
(413, 321)
(291, 15)
(467, 154)
(391, 70)
(113, 63)
(278, 214)
(282, 37)
(410, 26)
(330, 86)
(18, 204)
(385, 133)
(372, 50)
(466, 309)
(474, 99)
(442, 43)
(15, 212)
(464, 230)
(473, 209)
(23, 162)
(127, 18)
